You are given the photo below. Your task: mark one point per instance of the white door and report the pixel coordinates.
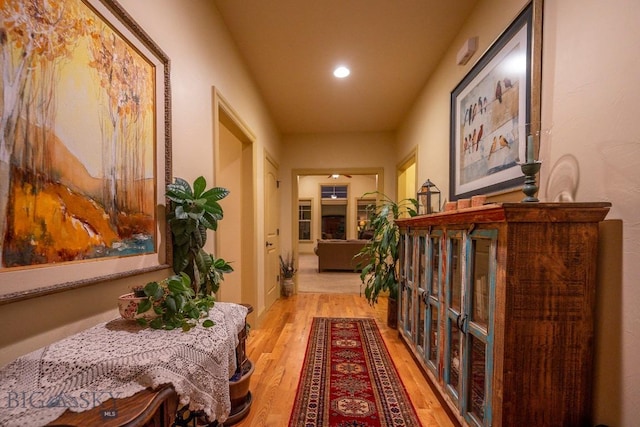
(272, 234)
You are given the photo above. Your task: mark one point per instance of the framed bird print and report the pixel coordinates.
(494, 109)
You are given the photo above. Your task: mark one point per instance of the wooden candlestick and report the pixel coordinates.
(530, 187)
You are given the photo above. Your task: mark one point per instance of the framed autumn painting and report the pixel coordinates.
(85, 147)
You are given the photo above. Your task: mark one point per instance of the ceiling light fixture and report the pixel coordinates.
(341, 72)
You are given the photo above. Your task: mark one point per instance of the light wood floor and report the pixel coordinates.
(277, 349)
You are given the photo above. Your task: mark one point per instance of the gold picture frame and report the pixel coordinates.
(89, 148)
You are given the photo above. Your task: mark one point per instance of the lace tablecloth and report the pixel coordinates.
(118, 359)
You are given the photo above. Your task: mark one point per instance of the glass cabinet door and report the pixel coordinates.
(422, 293)
(402, 277)
(432, 305)
(405, 263)
(407, 312)
(449, 279)
(479, 291)
(453, 317)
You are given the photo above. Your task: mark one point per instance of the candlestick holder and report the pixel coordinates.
(530, 188)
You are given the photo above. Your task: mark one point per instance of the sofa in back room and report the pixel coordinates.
(336, 254)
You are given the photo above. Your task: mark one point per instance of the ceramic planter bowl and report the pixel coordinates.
(128, 306)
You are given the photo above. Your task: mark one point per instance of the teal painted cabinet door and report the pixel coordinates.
(469, 285)
(429, 300)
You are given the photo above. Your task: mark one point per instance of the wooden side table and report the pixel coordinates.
(146, 408)
(160, 407)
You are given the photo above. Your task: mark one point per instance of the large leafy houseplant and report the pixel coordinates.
(193, 211)
(181, 300)
(378, 259)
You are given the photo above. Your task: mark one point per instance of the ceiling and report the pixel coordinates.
(292, 46)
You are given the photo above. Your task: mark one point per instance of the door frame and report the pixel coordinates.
(271, 160)
(295, 173)
(225, 115)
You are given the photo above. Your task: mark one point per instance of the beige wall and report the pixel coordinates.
(589, 110)
(309, 188)
(342, 153)
(589, 107)
(427, 125)
(407, 185)
(590, 93)
(202, 56)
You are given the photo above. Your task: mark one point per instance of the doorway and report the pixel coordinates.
(272, 233)
(306, 194)
(407, 181)
(235, 238)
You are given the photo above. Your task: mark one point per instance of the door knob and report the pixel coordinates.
(269, 244)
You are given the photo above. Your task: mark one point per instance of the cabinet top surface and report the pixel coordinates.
(514, 212)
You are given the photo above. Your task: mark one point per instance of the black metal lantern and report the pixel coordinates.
(428, 198)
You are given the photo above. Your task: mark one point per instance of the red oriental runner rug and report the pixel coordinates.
(349, 380)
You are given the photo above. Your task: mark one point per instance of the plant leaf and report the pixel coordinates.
(198, 186)
(180, 187)
(180, 301)
(144, 305)
(156, 323)
(210, 221)
(154, 290)
(215, 193)
(170, 302)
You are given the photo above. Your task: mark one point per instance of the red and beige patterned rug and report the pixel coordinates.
(349, 380)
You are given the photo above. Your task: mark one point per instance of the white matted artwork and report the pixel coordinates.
(492, 113)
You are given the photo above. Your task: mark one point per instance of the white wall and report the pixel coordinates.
(590, 94)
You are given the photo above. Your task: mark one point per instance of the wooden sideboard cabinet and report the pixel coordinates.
(497, 305)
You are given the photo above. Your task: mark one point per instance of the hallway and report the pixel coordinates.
(277, 348)
(331, 282)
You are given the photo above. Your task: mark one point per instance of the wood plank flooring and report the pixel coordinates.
(277, 348)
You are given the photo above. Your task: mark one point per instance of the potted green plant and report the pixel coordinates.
(287, 271)
(378, 259)
(168, 304)
(193, 211)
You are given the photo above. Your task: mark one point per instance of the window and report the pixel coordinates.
(366, 208)
(333, 211)
(304, 219)
(333, 191)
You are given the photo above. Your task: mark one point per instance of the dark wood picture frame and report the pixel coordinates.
(494, 108)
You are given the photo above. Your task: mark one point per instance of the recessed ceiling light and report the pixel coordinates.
(341, 72)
